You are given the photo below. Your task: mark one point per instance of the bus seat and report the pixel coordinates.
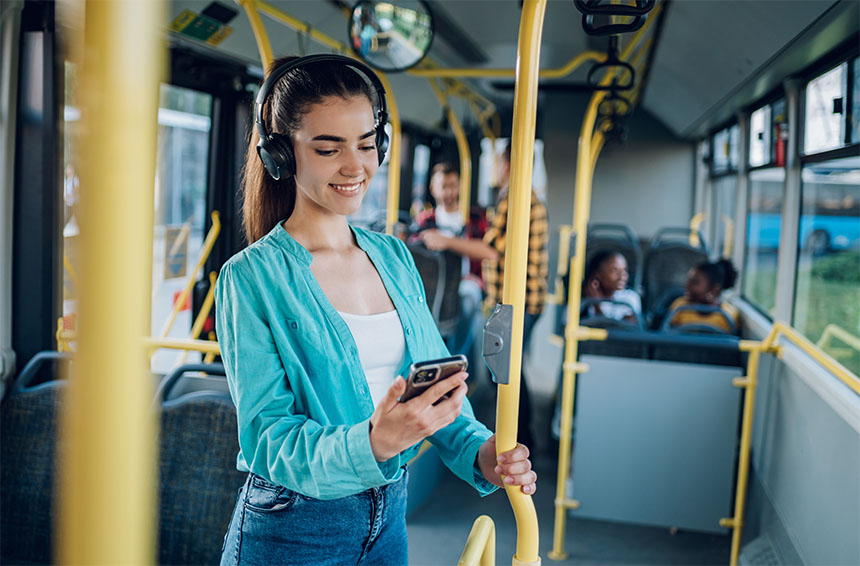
(440, 272)
(612, 348)
(28, 454)
(666, 265)
(695, 355)
(198, 479)
(656, 315)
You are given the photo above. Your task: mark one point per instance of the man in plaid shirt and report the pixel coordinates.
(491, 250)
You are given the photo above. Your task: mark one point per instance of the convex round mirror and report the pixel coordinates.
(391, 37)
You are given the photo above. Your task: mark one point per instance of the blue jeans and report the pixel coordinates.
(274, 525)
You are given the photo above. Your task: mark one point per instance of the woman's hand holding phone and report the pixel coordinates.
(509, 468)
(395, 426)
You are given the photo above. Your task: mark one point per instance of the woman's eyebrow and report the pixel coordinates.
(338, 139)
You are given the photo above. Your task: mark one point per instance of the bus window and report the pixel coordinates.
(179, 223)
(825, 101)
(828, 264)
(760, 137)
(763, 230)
(723, 192)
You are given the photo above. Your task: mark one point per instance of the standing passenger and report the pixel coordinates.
(491, 251)
(316, 320)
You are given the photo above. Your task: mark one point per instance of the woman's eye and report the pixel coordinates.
(325, 152)
(367, 148)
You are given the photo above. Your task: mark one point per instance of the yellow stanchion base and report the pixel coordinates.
(553, 555)
(520, 563)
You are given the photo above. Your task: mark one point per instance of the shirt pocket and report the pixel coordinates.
(303, 337)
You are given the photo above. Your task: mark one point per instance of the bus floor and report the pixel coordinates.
(439, 528)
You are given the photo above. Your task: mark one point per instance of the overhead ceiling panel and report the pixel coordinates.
(709, 47)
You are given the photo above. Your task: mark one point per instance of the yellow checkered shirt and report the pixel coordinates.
(538, 260)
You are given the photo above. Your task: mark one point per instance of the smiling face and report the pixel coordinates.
(336, 156)
(699, 288)
(612, 274)
(445, 188)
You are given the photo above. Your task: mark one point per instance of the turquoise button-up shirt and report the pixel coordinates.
(302, 398)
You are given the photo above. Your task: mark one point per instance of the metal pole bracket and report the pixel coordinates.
(497, 342)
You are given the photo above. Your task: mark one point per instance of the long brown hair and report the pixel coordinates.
(265, 200)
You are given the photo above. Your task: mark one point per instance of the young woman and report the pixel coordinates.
(317, 320)
(606, 278)
(704, 286)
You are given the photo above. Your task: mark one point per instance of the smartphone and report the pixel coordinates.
(423, 375)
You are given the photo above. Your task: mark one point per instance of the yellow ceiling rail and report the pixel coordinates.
(260, 35)
(298, 25)
(107, 478)
(462, 149)
(558, 73)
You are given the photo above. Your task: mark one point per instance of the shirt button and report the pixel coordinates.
(409, 332)
(294, 324)
(420, 299)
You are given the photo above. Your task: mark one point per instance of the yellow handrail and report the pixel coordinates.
(516, 256)
(462, 150)
(729, 236)
(769, 345)
(208, 244)
(481, 546)
(558, 73)
(205, 308)
(106, 423)
(696, 223)
(202, 346)
(835, 331)
(260, 35)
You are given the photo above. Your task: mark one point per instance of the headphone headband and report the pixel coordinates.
(276, 156)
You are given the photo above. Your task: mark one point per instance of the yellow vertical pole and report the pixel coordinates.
(585, 162)
(107, 487)
(465, 165)
(516, 255)
(695, 224)
(749, 383)
(393, 203)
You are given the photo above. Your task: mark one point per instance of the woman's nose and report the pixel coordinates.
(351, 164)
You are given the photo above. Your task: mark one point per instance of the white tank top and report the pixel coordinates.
(381, 348)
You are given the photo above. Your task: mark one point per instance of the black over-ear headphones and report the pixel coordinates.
(276, 150)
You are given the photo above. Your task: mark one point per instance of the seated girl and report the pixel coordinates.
(705, 284)
(606, 278)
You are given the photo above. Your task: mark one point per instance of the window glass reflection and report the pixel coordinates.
(762, 240)
(825, 101)
(827, 296)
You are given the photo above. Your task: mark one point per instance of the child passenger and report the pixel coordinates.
(705, 284)
(318, 321)
(606, 278)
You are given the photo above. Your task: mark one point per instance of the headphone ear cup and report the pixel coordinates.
(276, 153)
(381, 142)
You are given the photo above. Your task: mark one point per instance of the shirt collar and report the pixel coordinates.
(283, 238)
